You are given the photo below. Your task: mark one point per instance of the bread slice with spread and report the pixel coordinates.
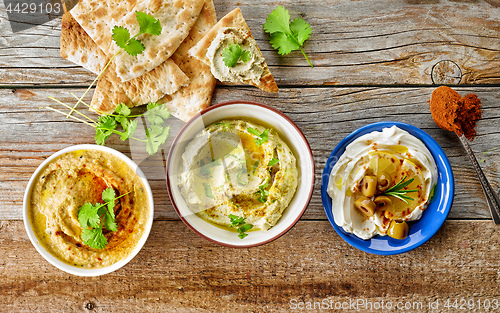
(227, 40)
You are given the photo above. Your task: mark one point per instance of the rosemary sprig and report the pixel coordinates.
(398, 192)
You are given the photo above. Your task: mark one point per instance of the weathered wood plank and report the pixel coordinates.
(325, 115)
(353, 43)
(177, 271)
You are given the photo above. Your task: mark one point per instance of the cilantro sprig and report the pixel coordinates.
(156, 130)
(233, 53)
(286, 36)
(240, 223)
(156, 133)
(147, 25)
(263, 192)
(261, 137)
(398, 191)
(93, 218)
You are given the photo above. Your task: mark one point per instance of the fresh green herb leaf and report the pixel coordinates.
(87, 215)
(93, 217)
(148, 24)
(244, 228)
(134, 47)
(120, 35)
(286, 36)
(273, 162)
(108, 195)
(233, 53)
(262, 138)
(253, 131)
(157, 133)
(208, 191)
(302, 29)
(104, 128)
(235, 220)
(123, 110)
(398, 191)
(109, 222)
(226, 125)
(94, 238)
(241, 224)
(264, 193)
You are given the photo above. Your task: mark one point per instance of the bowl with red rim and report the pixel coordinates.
(260, 114)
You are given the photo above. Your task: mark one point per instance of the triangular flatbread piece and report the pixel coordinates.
(110, 91)
(234, 21)
(190, 100)
(98, 18)
(78, 47)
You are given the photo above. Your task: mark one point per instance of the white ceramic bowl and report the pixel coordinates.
(264, 115)
(54, 260)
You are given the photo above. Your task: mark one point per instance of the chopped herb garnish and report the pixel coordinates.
(226, 125)
(263, 192)
(262, 138)
(273, 162)
(241, 224)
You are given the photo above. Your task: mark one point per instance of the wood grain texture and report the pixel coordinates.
(325, 115)
(353, 43)
(177, 271)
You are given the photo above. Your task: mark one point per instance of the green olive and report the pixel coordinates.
(384, 181)
(398, 230)
(382, 202)
(369, 186)
(365, 206)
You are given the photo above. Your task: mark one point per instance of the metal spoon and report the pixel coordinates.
(491, 196)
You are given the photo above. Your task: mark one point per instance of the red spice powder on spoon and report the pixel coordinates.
(455, 113)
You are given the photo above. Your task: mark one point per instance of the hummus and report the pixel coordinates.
(225, 172)
(393, 152)
(76, 178)
(247, 72)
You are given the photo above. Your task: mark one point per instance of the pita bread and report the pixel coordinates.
(98, 17)
(78, 47)
(110, 91)
(190, 100)
(233, 19)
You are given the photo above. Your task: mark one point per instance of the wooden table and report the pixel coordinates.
(374, 61)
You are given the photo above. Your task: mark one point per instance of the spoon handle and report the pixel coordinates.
(491, 196)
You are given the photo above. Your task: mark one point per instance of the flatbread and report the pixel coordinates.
(233, 19)
(110, 91)
(190, 100)
(78, 47)
(98, 17)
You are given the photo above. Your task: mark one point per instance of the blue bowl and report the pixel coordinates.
(432, 218)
